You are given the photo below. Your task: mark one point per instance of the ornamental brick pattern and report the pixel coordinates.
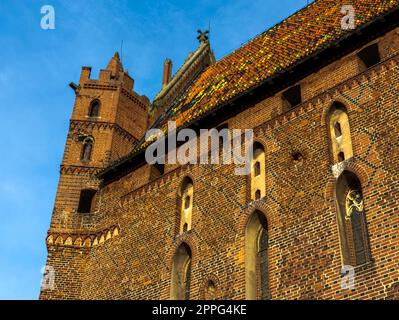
(304, 252)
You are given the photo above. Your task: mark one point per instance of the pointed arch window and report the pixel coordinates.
(94, 109)
(181, 273)
(87, 149)
(339, 132)
(257, 178)
(352, 220)
(256, 258)
(185, 206)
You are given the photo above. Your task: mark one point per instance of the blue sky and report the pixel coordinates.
(36, 102)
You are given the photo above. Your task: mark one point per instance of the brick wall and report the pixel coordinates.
(304, 248)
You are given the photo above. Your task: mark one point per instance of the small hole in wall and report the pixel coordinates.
(297, 156)
(185, 227)
(257, 195)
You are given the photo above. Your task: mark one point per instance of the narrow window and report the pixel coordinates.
(257, 179)
(181, 273)
(341, 148)
(370, 55)
(85, 200)
(185, 207)
(292, 97)
(256, 258)
(352, 220)
(87, 149)
(94, 109)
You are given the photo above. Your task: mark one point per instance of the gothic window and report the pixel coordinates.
(87, 149)
(257, 179)
(85, 200)
(181, 273)
(256, 258)
(339, 131)
(185, 205)
(210, 290)
(352, 220)
(94, 109)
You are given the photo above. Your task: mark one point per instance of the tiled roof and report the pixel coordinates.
(302, 35)
(275, 50)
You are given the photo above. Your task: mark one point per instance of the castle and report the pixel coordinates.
(319, 207)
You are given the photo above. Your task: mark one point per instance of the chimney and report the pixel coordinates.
(167, 72)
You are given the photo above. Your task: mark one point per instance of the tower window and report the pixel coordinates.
(337, 130)
(85, 200)
(341, 156)
(87, 150)
(370, 55)
(94, 109)
(257, 195)
(292, 97)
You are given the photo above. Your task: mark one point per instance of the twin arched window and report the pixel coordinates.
(348, 192)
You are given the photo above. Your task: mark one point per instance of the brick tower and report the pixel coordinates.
(107, 119)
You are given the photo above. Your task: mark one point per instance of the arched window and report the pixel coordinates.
(340, 135)
(86, 200)
(87, 149)
(185, 205)
(258, 172)
(210, 290)
(352, 220)
(256, 258)
(94, 109)
(181, 273)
